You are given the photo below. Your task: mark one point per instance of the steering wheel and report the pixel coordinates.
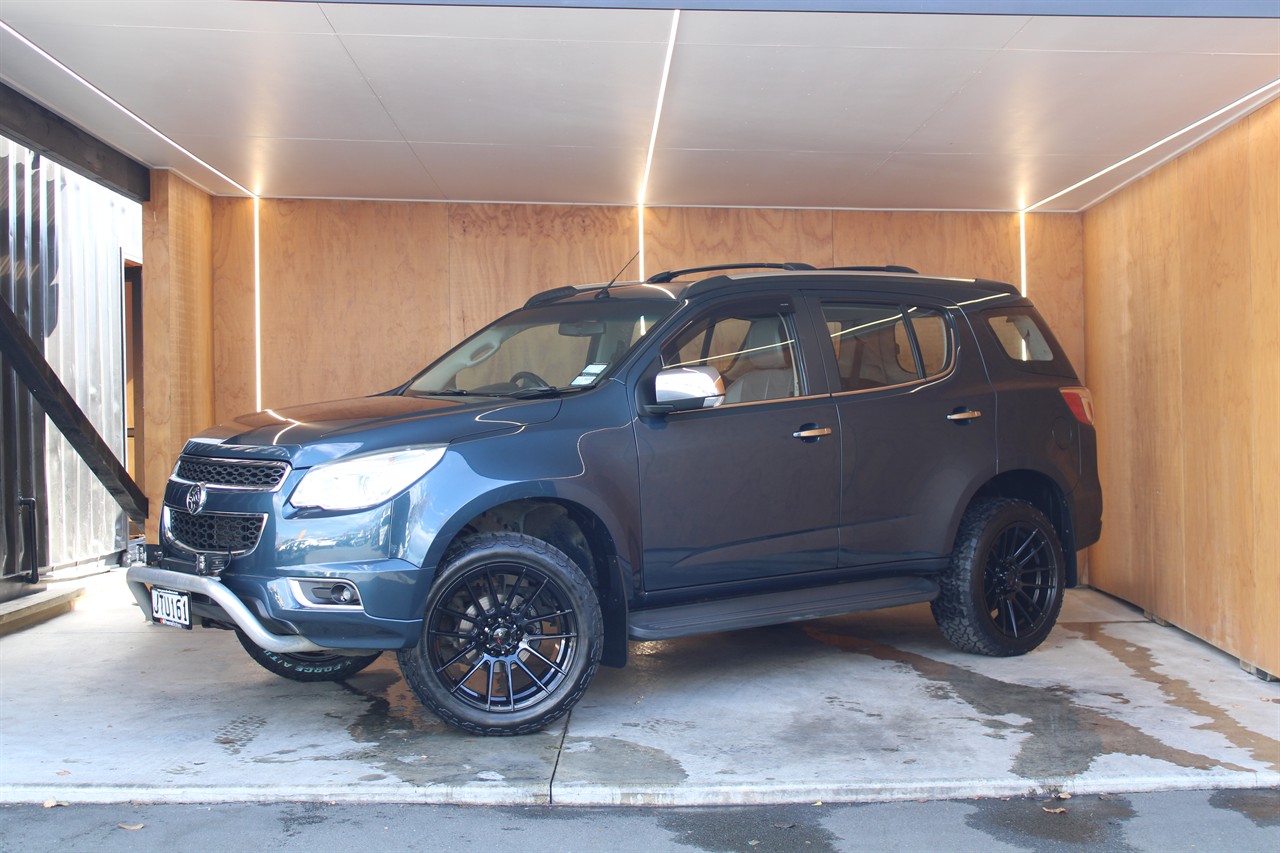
(529, 380)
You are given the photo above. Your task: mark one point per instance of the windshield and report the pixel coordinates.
(556, 347)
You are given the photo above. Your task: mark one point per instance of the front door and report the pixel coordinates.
(748, 489)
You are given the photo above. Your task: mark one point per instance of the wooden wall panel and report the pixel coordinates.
(177, 331)
(1181, 295)
(234, 380)
(1217, 380)
(1265, 322)
(355, 296)
(1264, 316)
(501, 254)
(1055, 277)
(680, 237)
(965, 245)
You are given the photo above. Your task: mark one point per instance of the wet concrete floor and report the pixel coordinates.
(98, 706)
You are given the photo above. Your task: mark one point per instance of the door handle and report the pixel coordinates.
(965, 415)
(811, 431)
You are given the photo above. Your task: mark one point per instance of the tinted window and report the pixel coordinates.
(753, 351)
(873, 344)
(1020, 336)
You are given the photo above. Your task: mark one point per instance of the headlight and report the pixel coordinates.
(364, 481)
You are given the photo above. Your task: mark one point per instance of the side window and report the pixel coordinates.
(874, 348)
(1020, 336)
(754, 351)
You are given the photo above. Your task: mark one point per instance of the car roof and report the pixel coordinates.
(958, 290)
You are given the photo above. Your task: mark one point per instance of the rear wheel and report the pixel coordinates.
(306, 666)
(1003, 590)
(511, 639)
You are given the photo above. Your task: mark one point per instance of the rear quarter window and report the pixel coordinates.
(1021, 336)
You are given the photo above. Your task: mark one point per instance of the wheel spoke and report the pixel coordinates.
(529, 673)
(1034, 553)
(533, 638)
(1028, 619)
(511, 687)
(457, 614)
(1013, 620)
(528, 602)
(488, 696)
(465, 678)
(544, 659)
(515, 588)
(452, 635)
(462, 654)
(493, 593)
(543, 617)
(1016, 553)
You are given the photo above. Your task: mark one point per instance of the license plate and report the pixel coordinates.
(171, 608)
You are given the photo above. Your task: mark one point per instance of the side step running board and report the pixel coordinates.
(752, 611)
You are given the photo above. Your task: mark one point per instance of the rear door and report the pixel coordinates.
(917, 423)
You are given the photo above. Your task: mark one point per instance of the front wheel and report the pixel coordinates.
(306, 666)
(511, 639)
(1003, 590)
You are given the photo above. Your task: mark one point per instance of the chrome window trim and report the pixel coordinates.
(928, 380)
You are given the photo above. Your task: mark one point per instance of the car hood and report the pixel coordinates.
(310, 434)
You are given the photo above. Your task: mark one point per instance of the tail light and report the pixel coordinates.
(1080, 401)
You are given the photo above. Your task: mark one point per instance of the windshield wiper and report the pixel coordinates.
(543, 391)
(444, 392)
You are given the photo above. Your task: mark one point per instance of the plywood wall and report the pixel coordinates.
(1182, 275)
(355, 296)
(177, 330)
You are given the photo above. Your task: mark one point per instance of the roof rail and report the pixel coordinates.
(670, 275)
(886, 268)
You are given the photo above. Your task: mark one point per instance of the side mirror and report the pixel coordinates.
(682, 389)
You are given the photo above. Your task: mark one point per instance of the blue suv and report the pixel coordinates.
(707, 450)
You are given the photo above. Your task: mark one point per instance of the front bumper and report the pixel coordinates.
(275, 618)
(141, 578)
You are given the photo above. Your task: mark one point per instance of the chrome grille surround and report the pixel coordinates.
(248, 475)
(231, 533)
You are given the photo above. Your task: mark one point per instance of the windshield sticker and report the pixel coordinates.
(583, 379)
(594, 369)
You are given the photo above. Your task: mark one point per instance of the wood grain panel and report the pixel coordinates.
(1217, 380)
(1264, 250)
(234, 382)
(965, 245)
(177, 330)
(355, 296)
(1182, 274)
(1055, 277)
(1108, 283)
(681, 237)
(500, 255)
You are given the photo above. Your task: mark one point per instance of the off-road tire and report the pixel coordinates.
(511, 638)
(1003, 591)
(306, 666)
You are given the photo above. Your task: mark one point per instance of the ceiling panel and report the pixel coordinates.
(908, 111)
(527, 173)
(1028, 103)
(505, 91)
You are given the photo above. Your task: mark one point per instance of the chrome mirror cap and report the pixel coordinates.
(689, 388)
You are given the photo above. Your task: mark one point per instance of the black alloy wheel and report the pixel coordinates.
(512, 636)
(1003, 591)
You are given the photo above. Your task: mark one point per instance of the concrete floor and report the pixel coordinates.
(98, 706)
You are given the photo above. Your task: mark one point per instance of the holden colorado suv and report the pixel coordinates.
(640, 461)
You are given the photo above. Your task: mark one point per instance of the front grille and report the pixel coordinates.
(215, 532)
(247, 474)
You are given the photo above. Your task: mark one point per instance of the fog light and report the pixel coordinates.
(344, 594)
